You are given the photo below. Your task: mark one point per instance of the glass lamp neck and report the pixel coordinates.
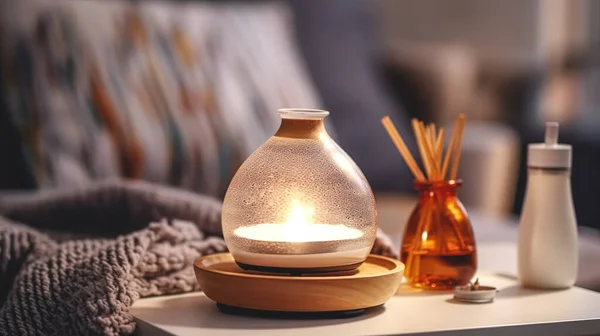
(302, 123)
(301, 128)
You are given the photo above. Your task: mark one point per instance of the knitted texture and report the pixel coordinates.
(77, 282)
(72, 262)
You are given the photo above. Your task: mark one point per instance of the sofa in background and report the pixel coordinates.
(125, 80)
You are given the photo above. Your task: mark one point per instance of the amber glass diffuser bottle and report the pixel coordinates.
(438, 247)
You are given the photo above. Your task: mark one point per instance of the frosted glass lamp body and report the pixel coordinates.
(299, 203)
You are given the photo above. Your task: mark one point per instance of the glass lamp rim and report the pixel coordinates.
(302, 113)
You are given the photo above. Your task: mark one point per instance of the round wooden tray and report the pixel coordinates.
(370, 285)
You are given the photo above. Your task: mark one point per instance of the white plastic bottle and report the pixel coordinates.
(548, 252)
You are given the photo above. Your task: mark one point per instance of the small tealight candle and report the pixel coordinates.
(475, 293)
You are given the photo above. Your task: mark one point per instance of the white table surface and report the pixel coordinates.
(516, 311)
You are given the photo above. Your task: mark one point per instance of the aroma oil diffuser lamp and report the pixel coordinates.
(299, 219)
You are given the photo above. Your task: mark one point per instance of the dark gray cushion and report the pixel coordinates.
(338, 43)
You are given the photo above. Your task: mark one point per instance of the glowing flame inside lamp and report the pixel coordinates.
(298, 224)
(298, 229)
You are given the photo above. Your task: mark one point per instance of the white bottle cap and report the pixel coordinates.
(549, 154)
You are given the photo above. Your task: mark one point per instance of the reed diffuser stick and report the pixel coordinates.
(439, 148)
(417, 244)
(457, 128)
(461, 126)
(401, 146)
(431, 134)
(419, 138)
(428, 151)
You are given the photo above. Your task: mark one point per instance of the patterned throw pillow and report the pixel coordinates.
(178, 94)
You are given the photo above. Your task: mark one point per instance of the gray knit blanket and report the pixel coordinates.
(73, 262)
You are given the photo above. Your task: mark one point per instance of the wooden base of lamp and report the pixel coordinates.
(369, 285)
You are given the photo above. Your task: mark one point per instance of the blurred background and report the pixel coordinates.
(181, 92)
